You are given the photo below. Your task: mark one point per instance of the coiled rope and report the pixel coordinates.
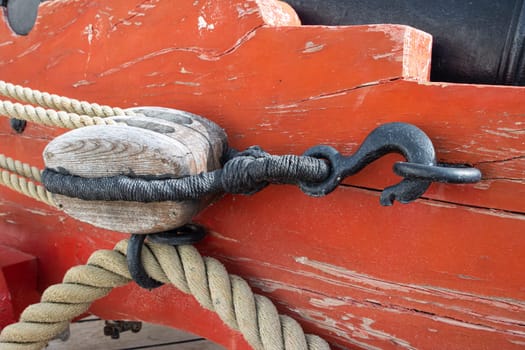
(206, 278)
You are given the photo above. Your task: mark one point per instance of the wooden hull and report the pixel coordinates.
(444, 272)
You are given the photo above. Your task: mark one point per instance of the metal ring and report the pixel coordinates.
(187, 234)
(135, 266)
(333, 157)
(437, 173)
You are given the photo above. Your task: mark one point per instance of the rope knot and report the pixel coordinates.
(240, 173)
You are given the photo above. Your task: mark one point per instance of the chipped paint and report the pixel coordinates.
(327, 302)
(270, 286)
(82, 83)
(482, 185)
(155, 85)
(30, 50)
(187, 83)
(6, 43)
(469, 278)
(89, 32)
(351, 275)
(383, 286)
(499, 213)
(367, 325)
(245, 9)
(311, 47)
(202, 24)
(385, 55)
(217, 235)
(501, 133)
(439, 204)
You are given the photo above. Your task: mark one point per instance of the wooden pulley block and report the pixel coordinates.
(160, 143)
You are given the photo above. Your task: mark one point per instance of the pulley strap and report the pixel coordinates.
(246, 173)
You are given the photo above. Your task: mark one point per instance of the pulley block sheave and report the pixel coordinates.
(153, 172)
(160, 144)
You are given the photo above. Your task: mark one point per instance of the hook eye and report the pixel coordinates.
(333, 157)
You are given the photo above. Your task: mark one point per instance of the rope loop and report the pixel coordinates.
(229, 296)
(240, 175)
(187, 234)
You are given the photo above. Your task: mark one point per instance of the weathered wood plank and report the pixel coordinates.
(254, 92)
(445, 271)
(165, 144)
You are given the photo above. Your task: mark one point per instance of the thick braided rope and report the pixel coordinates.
(19, 168)
(50, 117)
(57, 102)
(26, 187)
(206, 279)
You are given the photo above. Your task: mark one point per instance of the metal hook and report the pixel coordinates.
(420, 170)
(187, 234)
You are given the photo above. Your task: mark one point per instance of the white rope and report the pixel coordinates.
(50, 117)
(57, 102)
(26, 187)
(206, 279)
(19, 168)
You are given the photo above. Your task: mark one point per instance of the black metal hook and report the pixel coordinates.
(187, 234)
(420, 170)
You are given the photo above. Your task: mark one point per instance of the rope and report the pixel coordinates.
(19, 168)
(26, 187)
(57, 102)
(20, 177)
(206, 279)
(246, 173)
(50, 117)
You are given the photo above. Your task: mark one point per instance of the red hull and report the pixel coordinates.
(445, 271)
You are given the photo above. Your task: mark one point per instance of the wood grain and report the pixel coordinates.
(163, 144)
(446, 271)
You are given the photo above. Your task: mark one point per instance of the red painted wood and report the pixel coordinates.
(445, 271)
(18, 280)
